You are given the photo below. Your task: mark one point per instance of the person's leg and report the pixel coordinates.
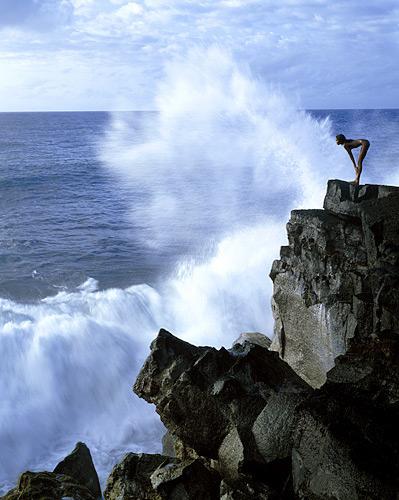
(362, 156)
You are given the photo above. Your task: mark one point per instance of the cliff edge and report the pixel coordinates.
(338, 279)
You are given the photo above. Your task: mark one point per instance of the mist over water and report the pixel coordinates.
(211, 177)
(224, 151)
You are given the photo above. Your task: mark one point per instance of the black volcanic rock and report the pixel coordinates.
(157, 477)
(79, 465)
(266, 432)
(192, 480)
(338, 279)
(48, 486)
(253, 338)
(234, 407)
(130, 479)
(347, 438)
(74, 477)
(347, 199)
(247, 489)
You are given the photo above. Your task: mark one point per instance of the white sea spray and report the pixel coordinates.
(224, 152)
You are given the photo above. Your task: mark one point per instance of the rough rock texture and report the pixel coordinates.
(347, 438)
(131, 478)
(79, 465)
(48, 486)
(247, 488)
(338, 278)
(253, 338)
(74, 478)
(261, 427)
(172, 446)
(216, 401)
(193, 480)
(157, 477)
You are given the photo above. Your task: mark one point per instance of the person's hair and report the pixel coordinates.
(341, 137)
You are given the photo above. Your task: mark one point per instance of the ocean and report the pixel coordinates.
(113, 225)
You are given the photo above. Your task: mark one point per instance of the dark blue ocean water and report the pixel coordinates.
(64, 218)
(113, 226)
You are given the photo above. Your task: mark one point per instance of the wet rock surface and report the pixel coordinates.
(74, 478)
(253, 338)
(347, 438)
(48, 486)
(235, 408)
(338, 278)
(332, 432)
(211, 399)
(246, 488)
(192, 480)
(79, 465)
(131, 478)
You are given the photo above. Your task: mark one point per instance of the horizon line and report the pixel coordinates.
(157, 111)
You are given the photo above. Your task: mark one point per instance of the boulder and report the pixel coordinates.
(246, 488)
(48, 486)
(74, 478)
(192, 480)
(253, 338)
(338, 278)
(346, 440)
(250, 416)
(172, 446)
(215, 401)
(79, 465)
(131, 478)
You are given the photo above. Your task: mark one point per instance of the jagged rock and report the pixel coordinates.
(346, 443)
(74, 478)
(131, 478)
(253, 338)
(48, 486)
(79, 465)
(212, 400)
(168, 445)
(192, 480)
(338, 278)
(172, 446)
(347, 199)
(266, 432)
(246, 489)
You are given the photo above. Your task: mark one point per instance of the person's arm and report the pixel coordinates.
(349, 151)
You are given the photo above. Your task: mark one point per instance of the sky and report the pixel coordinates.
(110, 54)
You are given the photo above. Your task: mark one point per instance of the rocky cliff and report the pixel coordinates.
(314, 416)
(338, 279)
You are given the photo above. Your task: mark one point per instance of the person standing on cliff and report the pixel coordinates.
(350, 144)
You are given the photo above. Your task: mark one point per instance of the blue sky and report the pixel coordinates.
(110, 54)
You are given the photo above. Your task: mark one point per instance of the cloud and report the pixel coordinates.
(331, 54)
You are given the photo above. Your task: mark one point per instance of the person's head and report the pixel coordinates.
(340, 139)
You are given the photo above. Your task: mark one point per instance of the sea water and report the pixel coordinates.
(113, 225)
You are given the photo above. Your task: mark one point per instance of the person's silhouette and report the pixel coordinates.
(350, 144)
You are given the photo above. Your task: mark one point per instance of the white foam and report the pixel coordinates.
(221, 164)
(223, 148)
(68, 364)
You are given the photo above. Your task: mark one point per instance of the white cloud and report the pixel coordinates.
(309, 47)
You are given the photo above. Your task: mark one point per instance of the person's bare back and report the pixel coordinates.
(350, 144)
